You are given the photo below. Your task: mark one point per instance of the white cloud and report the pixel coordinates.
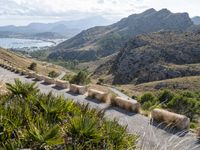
(74, 9)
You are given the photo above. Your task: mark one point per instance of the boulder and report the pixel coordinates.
(77, 89)
(177, 120)
(99, 95)
(130, 105)
(62, 84)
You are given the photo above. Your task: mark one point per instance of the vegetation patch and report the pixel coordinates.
(81, 78)
(33, 120)
(181, 102)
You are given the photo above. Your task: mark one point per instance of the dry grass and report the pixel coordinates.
(3, 89)
(23, 62)
(185, 83)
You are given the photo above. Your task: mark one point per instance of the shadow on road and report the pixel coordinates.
(58, 88)
(44, 83)
(120, 110)
(73, 94)
(93, 100)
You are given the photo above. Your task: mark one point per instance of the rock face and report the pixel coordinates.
(106, 40)
(155, 56)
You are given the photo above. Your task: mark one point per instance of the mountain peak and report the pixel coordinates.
(165, 10)
(151, 10)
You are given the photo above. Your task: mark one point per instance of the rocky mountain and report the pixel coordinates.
(196, 20)
(102, 41)
(61, 29)
(154, 56)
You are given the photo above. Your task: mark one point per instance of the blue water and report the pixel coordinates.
(15, 43)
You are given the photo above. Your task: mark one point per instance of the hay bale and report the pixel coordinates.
(77, 89)
(49, 80)
(130, 105)
(180, 121)
(99, 95)
(62, 84)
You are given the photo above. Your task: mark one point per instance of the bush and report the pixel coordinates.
(186, 106)
(148, 100)
(100, 81)
(165, 96)
(147, 97)
(33, 66)
(82, 78)
(53, 74)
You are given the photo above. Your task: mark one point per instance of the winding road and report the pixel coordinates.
(152, 136)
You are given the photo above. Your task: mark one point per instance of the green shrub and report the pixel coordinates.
(148, 100)
(165, 96)
(82, 78)
(186, 106)
(147, 97)
(53, 74)
(100, 81)
(33, 66)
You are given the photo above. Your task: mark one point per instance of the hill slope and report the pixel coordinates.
(155, 56)
(196, 20)
(23, 62)
(106, 40)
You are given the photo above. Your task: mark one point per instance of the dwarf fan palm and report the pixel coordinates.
(21, 89)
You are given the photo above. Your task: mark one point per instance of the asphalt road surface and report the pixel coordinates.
(153, 136)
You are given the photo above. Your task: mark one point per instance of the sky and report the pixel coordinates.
(23, 12)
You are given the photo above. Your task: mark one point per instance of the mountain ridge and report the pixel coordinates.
(155, 56)
(102, 41)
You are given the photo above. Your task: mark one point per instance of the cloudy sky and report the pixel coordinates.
(21, 12)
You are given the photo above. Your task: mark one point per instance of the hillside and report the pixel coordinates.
(102, 41)
(23, 62)
(190, 83)
(154, 56)
(196, 20)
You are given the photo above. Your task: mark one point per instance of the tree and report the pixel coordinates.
(33, 66)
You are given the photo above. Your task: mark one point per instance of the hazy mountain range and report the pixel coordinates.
(61, 29)
(196, 20)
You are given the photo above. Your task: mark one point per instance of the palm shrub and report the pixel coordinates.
(33, 120)
(21, 89)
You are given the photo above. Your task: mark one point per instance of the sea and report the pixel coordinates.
(27, 44)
